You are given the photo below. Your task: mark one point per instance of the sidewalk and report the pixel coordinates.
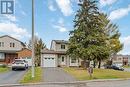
(90, 83)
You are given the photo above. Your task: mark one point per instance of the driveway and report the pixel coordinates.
(56, 75)
(127, 69)
(11, 77)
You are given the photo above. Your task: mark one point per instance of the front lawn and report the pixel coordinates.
(3, 69)
(28, 77)
(81, 74)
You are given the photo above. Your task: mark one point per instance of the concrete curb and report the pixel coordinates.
(60, 83)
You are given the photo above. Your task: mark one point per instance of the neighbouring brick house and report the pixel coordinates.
(121, 59)
(26, 54)
(9, 47)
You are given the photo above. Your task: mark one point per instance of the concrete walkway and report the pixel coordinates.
(56, 75)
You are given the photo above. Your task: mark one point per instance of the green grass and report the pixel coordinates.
(81, 74)
(28, 78)
(3, 69)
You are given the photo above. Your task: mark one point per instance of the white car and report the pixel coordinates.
(19, 64)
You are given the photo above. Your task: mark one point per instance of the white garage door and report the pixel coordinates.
(49, 62)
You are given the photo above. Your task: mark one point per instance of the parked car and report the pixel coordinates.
(117, 67)
(19, 64)
(107, 66)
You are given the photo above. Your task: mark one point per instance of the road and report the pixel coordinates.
(123, 83)
(11, 77)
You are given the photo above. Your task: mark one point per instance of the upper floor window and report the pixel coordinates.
(12, 44)
(1, 44)
(62, 46)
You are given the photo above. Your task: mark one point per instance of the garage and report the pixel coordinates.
(49, 62)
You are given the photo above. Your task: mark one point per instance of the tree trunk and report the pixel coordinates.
(84, 63)
(94, 64)
(99, 65)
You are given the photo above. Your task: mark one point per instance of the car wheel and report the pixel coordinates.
(13, 69)
(24, 68)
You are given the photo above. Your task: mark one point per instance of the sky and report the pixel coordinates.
(54, 19)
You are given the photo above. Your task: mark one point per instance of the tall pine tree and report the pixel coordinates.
(88, 39)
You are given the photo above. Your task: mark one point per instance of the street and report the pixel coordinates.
(123, 83)
(11, 77)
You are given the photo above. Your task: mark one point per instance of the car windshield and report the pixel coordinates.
(18, 61)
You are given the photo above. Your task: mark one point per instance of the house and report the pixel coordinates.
(57, 56)
(121, 59)
(8, 49)
(25, 54)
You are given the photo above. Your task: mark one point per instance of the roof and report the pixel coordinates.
(120, 55)
(61, 41)
(53, 52)
(8, 51)
(13, 38)
(24, 49)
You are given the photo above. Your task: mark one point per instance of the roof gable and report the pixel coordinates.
(13, 39)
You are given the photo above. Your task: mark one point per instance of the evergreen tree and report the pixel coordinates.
(38, 46)
(113, 35)
(88, 39)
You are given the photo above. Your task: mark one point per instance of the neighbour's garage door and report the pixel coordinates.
(49, 62)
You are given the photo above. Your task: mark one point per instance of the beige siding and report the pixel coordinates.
(118, 60)
(53, 45)
(58, 47)
(60, 62)
(7, 42)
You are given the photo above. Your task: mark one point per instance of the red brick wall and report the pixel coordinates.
(24, 53)
(9, 57)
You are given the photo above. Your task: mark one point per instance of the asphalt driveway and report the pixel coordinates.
(11, 77)
(56, 75)
(127, 69)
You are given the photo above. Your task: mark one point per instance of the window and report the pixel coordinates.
(62, 46)
(1, 44)
(2, 55)
(62, 59)
(73, 60)
(12, 44)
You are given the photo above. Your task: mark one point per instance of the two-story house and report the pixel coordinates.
(57, 56)
(8, 48)
(120, 59)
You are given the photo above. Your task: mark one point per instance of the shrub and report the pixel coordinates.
(3, 65)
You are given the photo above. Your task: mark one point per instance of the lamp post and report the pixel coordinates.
(33, 39)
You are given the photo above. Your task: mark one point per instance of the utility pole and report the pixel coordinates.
(33, 54)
